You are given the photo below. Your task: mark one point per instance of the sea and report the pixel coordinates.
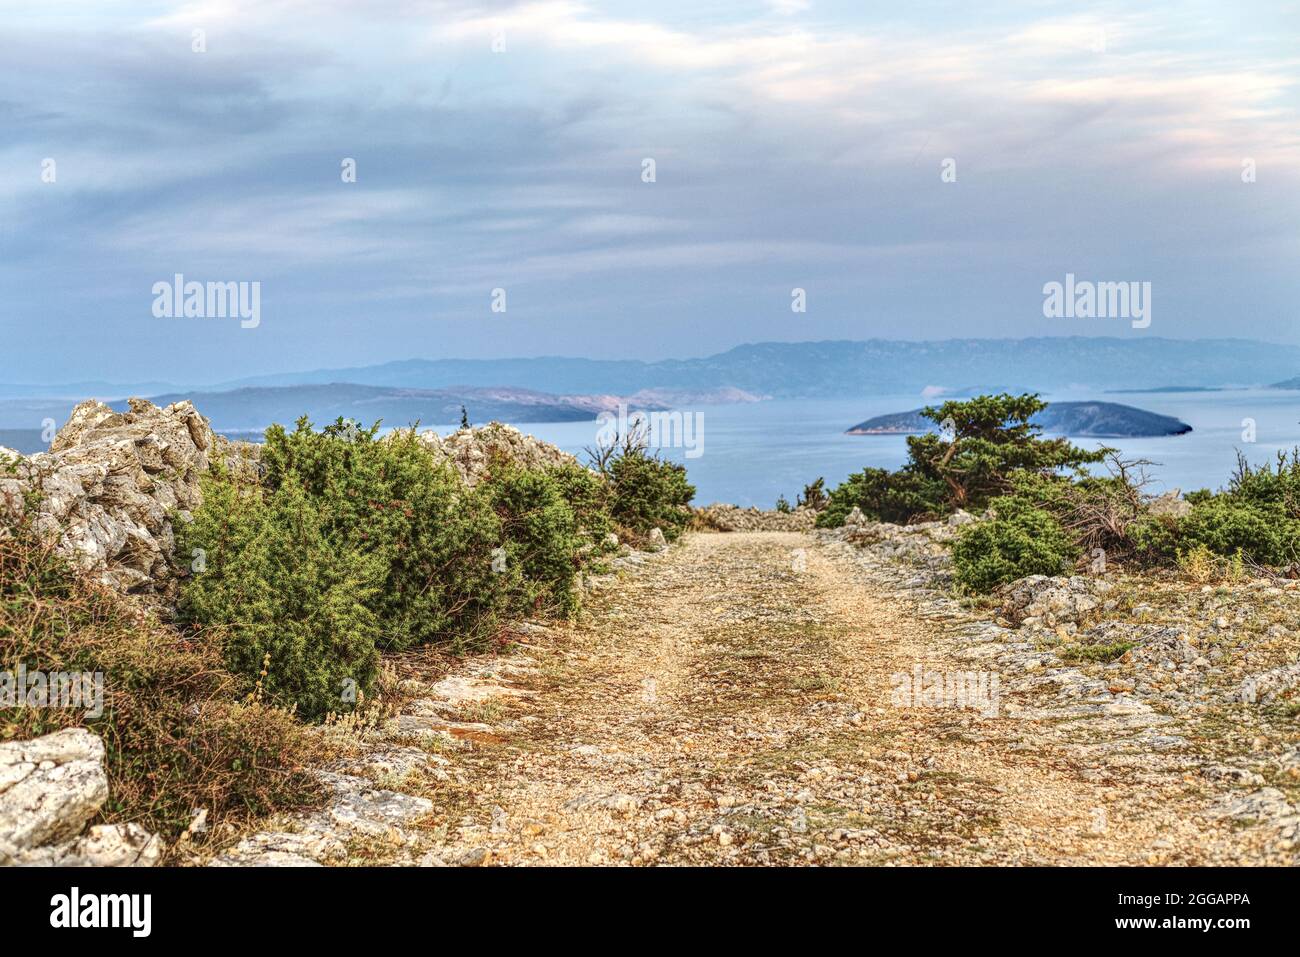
(753, 453)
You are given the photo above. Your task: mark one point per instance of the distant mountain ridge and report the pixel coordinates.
(832, 369)
(1082, 419)
(794, 370)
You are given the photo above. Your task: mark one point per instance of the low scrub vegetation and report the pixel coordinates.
(1046, 514)
(980, 447)
(345, 544)
(643, 491)
(301, 567)
(1019, 539)
(1256, 519)
(178, 733)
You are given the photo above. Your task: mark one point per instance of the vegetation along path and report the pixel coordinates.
(740, 698)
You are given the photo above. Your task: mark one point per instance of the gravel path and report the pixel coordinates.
(738, 699)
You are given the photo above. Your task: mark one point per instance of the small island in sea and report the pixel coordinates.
(1083, 419)
(1169, 388)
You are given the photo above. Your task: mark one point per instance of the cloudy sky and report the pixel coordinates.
(796, 143)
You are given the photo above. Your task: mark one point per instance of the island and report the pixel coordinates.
(1082, 419)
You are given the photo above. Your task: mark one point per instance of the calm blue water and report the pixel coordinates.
(756, 451)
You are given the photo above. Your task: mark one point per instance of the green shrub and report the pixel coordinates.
(294, 597)
(1259, 530)
(540, 536)
(1019, 540)
(647, 492)
(884, 496)
(1256, 519)
(175, 739)
(1274, 488)
(588, 495)
(436, 538)
(345, 543)
(1156, 538)
(1098, 512)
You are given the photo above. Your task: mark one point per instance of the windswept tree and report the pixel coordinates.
(983, 442)
(980, 447)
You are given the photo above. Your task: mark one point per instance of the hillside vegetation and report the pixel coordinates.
(179, 733)
(342, 545)
(1047, 513)
(305, 559)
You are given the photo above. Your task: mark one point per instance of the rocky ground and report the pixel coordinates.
(722, 517)
(50, 788)
(790, 698)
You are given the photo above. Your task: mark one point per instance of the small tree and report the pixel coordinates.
(986, 439)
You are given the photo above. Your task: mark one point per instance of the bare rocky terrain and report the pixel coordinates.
(735, 700)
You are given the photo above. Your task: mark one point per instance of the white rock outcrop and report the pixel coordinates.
(50, 787)
(1051, 600)
(471, 451)
(109, 486)
(1170, 503)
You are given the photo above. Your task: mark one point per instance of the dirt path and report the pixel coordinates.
(734, 700)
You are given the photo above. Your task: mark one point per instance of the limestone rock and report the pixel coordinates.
(1171, 503)
(922, 546)
(1152, 643)
(1269, 686)
(732, 518)
(105, 845)
(471, 451)
(108, 486)
(1053, 600)
(49, 788)
(656, 542)
(356, 808)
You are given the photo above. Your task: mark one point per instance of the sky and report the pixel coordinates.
(920, 170)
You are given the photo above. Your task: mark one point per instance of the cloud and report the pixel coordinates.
(791, 140)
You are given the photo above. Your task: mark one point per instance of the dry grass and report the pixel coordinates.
(176, 737)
